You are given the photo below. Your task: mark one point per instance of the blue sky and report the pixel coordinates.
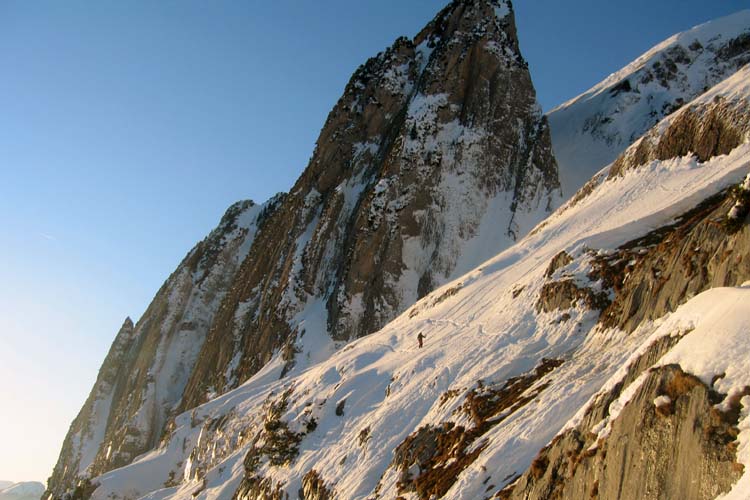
(127, 128)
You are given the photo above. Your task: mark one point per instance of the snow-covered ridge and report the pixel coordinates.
(366, 399)
(714, 32)
(731, 96)
(591, 130)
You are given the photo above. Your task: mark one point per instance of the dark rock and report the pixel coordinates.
(441, 452)
(565, 294)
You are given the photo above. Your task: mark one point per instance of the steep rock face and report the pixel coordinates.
(497, 378)
(147, 367)
(679, 447)
(654, 275)
(591, 130)
(87, 430)
(435, 158)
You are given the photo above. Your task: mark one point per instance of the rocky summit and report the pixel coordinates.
(592, 129)
(436, 157)
(568, 314)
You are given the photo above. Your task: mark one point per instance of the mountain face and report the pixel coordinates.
(436, 157)
(605, 355)
(148, 365)
(591, 130)
(280, 360)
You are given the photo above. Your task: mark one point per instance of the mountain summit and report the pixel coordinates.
(413, 321)
(436, 157)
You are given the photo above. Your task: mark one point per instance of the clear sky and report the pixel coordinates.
(127, 128)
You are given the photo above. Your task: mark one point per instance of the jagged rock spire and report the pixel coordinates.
(435, 141)
(418, 176)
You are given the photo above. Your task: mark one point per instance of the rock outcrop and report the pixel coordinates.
(674, 263)
(669, 441)
(435, 158)
(142, 378)
(86, 433)
(713, 128)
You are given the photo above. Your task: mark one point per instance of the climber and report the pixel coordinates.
(421, 337)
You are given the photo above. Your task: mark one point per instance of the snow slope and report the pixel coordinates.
(30, 490)
(591, 130)
(720, 344)
(354, 409)
(436, 157)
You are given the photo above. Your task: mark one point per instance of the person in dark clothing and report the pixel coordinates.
(420, 337)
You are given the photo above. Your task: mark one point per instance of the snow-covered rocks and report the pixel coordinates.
(678, 407)
(412, 185)
(741, 206)
(662, 401)
(591, 130)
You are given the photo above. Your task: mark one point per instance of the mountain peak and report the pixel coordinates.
(435, 158)
(466, 23)
(234, 210)
(128, 323)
